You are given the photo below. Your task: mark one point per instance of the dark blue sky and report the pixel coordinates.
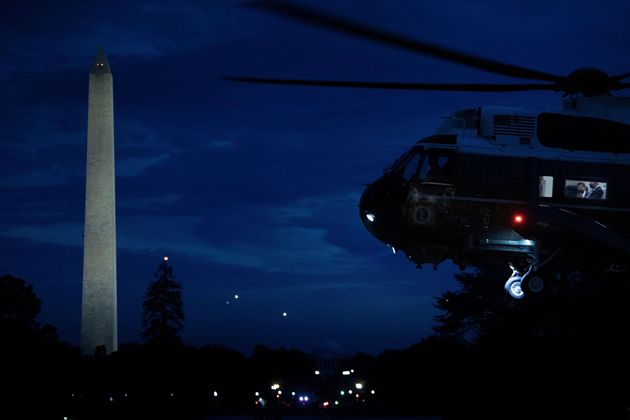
(251, 190)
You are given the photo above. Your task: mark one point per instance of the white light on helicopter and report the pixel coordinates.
(370, 217)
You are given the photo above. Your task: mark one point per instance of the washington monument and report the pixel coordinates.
(98, 318)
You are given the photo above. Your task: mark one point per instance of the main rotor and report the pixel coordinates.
(585, 81)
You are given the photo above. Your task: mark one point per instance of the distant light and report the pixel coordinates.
(351, 370)
(372, 392)
(336, 402)
(235, 296)
(342, 392)
(215, 393)
(370, 217)
(325, 403)
(350, 391)
(256, 393)
(227, 302)
(358, 385)
(284, 314)
(279, 392)
(293, 393)
(317, 372)
(346, 373)
(393, 250)
(302, 399)
(306, 399)
(111, 399)
(165, 258)
(275, 386)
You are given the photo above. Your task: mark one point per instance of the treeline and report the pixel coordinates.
(560, 354)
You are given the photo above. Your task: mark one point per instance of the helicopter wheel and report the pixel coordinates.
(514, 287)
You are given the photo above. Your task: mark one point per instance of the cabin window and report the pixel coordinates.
(545, 186)
(585, 188)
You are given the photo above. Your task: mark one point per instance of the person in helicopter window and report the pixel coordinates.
(596, 192)
(581, 190)
(439, 168)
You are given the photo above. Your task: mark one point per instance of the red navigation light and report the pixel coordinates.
(518, 218)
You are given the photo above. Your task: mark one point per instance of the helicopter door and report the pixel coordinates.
(437, 167)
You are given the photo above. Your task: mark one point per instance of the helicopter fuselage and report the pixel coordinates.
(499, 184)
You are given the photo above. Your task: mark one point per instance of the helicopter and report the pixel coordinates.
(534, 189)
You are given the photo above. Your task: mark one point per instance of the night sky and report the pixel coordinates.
(252, 189)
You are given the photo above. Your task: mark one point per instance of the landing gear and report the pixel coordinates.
(514, 285)
(518, 284)
(532, 281)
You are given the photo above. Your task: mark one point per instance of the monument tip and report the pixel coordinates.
(100, 64)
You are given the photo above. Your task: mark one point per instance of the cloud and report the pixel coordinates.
(69, 234)
(221, 144)
(311, 208)
(270, 248)
(150, 203)
(136, 166)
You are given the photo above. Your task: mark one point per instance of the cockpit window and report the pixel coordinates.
(411, 167)
(432, 165)
(436, 166)
(403, 159)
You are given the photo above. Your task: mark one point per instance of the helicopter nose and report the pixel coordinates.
(380, 207)
(371, 205)
(367, 208)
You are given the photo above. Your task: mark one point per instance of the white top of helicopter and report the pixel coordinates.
(510, 131)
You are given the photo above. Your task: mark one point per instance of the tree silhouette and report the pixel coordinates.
(570, 341)
(162, 310)
(575, 309)
(18, 301)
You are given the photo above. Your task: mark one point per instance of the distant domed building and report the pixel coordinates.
(329, 356)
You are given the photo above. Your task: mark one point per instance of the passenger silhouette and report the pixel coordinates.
(581, 190)
(596, 192)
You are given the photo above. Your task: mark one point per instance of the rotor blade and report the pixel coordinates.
(316, 18)
(455, 87)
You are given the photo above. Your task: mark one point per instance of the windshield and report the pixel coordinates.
(404, 159)
(432, 165)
